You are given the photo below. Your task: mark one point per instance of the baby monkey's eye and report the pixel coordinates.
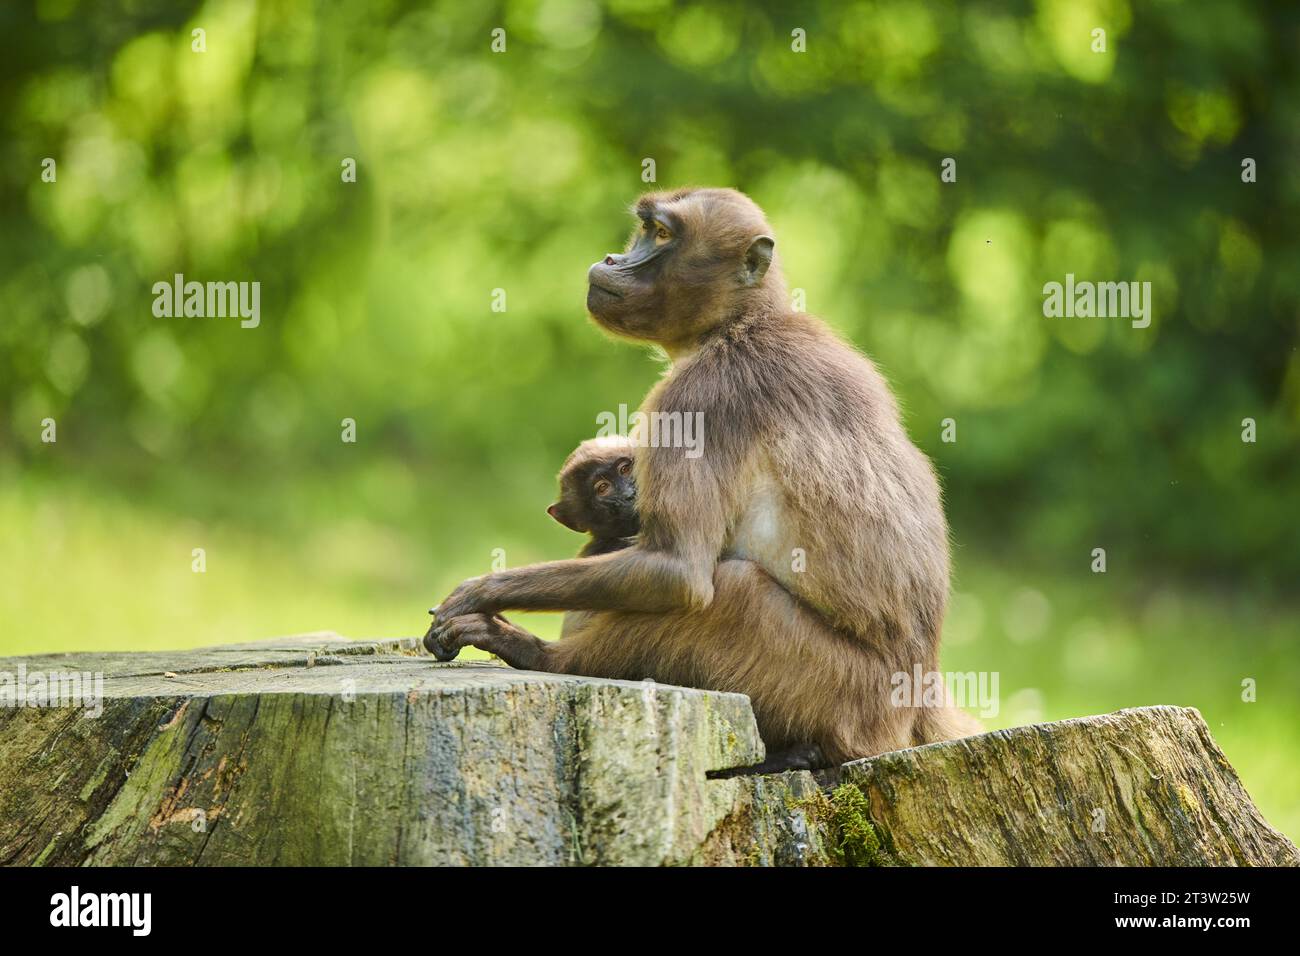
(662, 235)
(603, 487)
(625, 467)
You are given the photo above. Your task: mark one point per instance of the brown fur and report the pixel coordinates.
(803, 449)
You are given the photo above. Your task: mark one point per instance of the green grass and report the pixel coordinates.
(90, 571)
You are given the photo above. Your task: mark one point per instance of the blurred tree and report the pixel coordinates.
(477, 171)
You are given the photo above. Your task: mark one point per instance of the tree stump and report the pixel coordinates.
(319, 750)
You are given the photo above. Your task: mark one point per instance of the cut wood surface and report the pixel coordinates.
(1147, 786)
(319, 750)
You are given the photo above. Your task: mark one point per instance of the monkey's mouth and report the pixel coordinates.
(593, 287)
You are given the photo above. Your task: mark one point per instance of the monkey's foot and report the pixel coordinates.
(800, 757)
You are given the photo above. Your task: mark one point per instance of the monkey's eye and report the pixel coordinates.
(625, 467)
(662, 235)
(603, 487)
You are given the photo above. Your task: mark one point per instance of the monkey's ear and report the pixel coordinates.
(757, 258)
(555, 512)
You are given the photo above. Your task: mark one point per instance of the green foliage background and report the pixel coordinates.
(479, 171)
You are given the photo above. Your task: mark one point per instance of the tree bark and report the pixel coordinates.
(1141, 787)
(318, 750)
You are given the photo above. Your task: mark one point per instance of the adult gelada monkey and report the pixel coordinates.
(804, 455)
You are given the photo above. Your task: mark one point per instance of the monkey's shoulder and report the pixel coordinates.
(770, 365)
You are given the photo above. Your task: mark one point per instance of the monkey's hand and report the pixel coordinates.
(496, 635)
(471, 596)
(432, 645)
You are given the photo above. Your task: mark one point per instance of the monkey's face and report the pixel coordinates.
(693, 257)
(599, 498)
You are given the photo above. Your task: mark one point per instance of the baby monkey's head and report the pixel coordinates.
(597, 490)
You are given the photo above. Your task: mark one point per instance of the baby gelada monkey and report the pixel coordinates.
(598, 494)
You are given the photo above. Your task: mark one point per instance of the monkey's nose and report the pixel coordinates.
(609, 260)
